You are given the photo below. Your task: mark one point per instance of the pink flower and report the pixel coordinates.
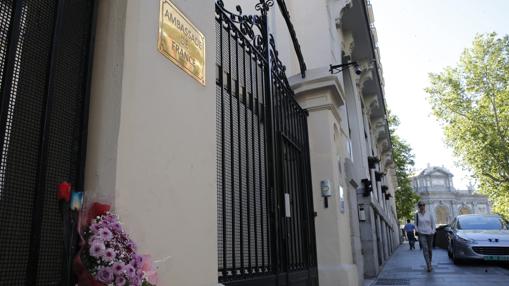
(118, 268)
(94, 228)
(105, 234)
(131, 272)
(97, 249)
(116, 227)
(132, 245)
(120, 281)
(105, 275)
(136, 281)
(108, 255)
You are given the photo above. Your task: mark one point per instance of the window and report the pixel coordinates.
(481, 222)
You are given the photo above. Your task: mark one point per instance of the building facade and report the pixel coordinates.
(349, 137)
(258, 155)
(435, 187)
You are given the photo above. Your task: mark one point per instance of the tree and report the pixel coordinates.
(406, 198)
(471, 101)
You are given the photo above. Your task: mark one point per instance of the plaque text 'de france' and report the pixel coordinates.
(181, 42)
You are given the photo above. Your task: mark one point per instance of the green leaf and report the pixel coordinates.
(403, 158)
(471, 101)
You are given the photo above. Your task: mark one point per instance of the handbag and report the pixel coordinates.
(417, 223)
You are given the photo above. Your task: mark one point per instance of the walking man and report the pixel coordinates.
(409, 232)
(426, 229)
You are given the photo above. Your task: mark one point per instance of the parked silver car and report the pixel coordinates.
(478, 237)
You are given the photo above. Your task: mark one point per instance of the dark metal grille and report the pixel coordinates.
(262, 154)
(65, 125)
(43, 67)
(243, 202)
(491, 250)
(23, 90)
(292, 169)
(5, 20)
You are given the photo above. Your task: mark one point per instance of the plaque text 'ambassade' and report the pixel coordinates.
(181, 41)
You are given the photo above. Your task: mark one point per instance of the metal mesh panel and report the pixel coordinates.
(5, 19)
(21, 134)
(43, 70)
(251, 186)
(64, 132)
(290, 123)
(243, 229)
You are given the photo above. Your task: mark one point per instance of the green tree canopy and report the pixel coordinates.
(471, 101)
(403, 157)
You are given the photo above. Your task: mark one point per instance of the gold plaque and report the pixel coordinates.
(181, 42)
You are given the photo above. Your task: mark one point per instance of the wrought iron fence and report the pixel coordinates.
(265, 216)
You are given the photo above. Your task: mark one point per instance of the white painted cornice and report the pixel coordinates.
(388, 161)
(370, 102)
(318, 79)
(366, 75)
(318, 91)
(348, 43)
(338, 8)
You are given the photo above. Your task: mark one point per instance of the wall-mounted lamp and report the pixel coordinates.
(368, 187)
(379, 176)
(326, 189)
(372, 161)
(339, 68)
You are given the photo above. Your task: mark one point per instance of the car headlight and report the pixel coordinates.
(466, 240)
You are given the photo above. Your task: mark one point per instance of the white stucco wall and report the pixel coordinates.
(152, 139)
(320, 94)
(333, 232)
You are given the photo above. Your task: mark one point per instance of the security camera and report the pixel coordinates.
(357, 69)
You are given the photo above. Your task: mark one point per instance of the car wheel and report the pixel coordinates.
(455, 259)
(449, 252)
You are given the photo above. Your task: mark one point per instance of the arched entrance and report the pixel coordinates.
(442, 215)
(465, 210)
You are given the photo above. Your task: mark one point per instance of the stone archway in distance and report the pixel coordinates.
(442, 215)
(465, 210)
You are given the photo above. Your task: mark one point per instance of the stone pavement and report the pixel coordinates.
(407, 268)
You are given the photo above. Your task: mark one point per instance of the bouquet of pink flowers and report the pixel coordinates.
(110, 257)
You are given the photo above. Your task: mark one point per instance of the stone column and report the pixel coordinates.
(320, 93)
(354, 225)
(369, 242)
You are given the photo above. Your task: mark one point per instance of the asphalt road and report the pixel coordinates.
(407, 268)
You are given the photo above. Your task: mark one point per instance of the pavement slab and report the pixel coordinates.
(408, 268)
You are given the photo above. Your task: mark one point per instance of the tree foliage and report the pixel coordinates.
(403, 157)
(471, 101)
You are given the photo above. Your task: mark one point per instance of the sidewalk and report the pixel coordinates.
(407, 268)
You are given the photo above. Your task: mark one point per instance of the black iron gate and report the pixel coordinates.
(44, 71)
(265, 213)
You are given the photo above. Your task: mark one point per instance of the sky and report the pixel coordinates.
(417, 37)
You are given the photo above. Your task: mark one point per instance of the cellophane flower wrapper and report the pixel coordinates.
(109, 256)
